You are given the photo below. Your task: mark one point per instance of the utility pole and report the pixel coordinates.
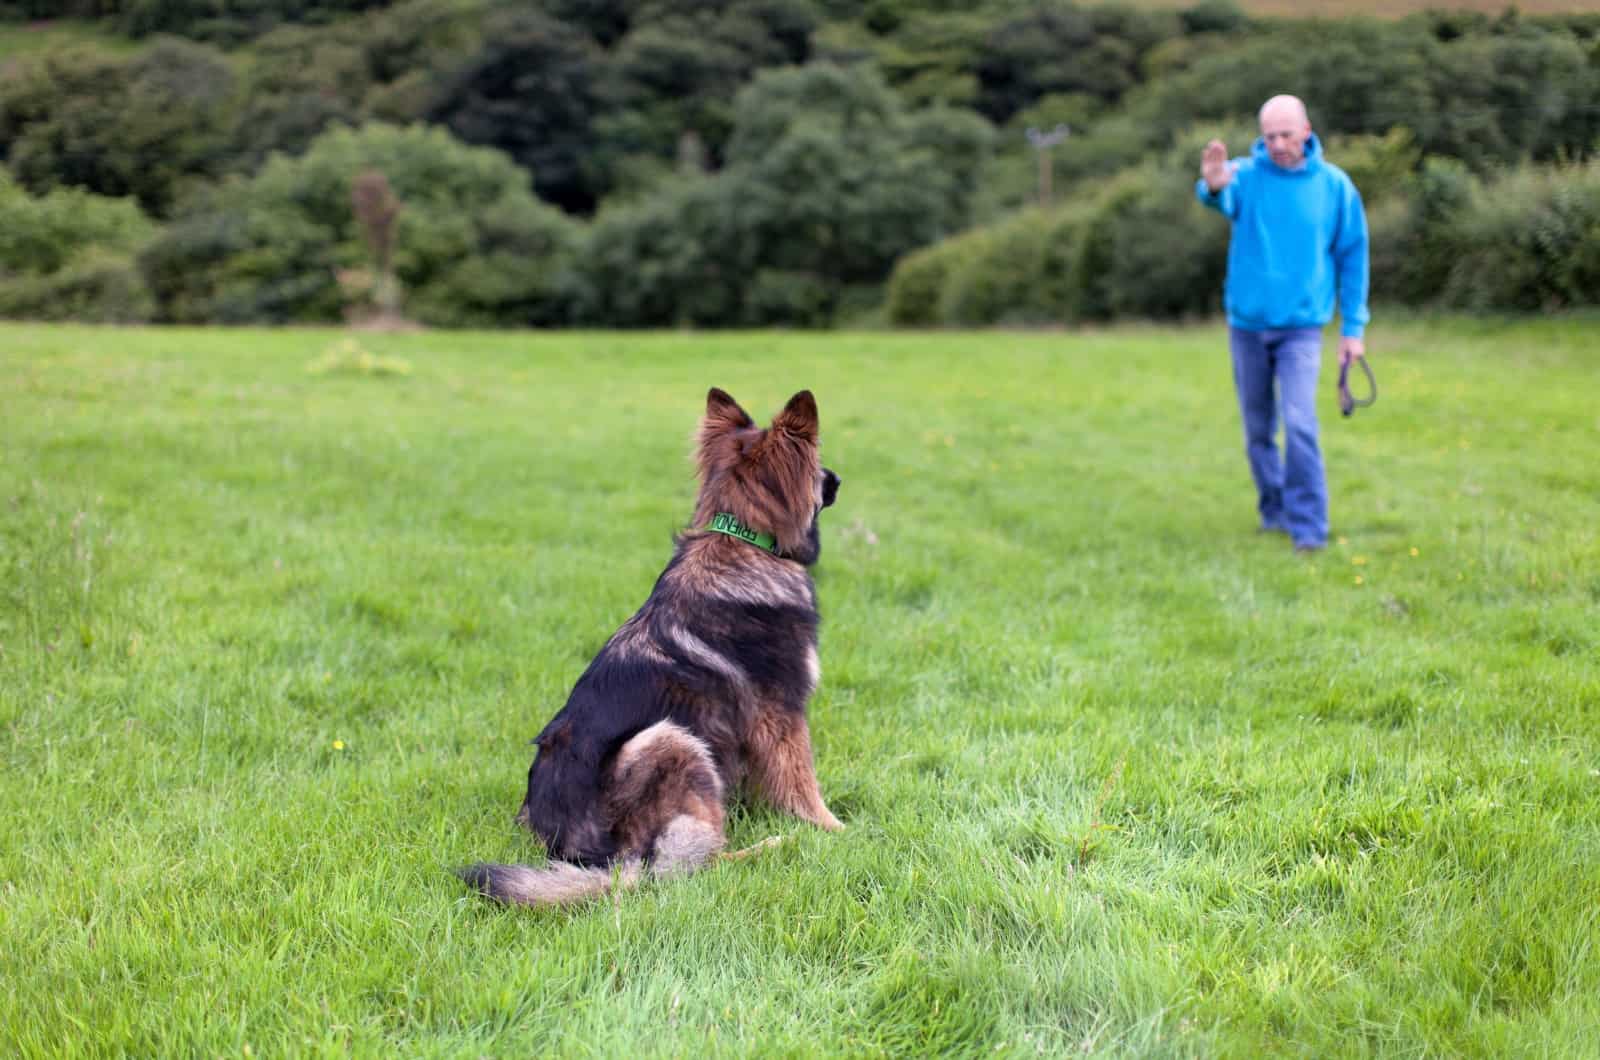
(1042, 143)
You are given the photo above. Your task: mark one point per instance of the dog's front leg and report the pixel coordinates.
(778, 753)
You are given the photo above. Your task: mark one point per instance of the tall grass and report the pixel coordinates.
(1121, 776)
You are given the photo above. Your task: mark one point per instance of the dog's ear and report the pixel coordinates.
(724, 414)
(799, 417)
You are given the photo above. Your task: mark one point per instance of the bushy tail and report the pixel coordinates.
(556, 884)
(683, 846)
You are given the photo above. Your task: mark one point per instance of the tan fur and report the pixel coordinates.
(558, 883)
(702, 653)
(632, 642)
(755, 474)
(663, 774)
(685, 844)
(781, 767)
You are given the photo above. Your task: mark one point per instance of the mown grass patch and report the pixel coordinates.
(1121, 776)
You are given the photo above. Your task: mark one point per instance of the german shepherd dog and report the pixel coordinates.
(703, 688)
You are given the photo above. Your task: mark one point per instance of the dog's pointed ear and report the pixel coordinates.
(724, 414)
(799, 416)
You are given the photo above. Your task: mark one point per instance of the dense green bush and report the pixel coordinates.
(827, 182)
(1049, 48)
(1382, 167)
(39, 235)
(589, 97)
(68, 255)
(474, 246)
(1530, 91)
(300, 82)
(996, 277)
(672, 259)
(147, 125)
(97, 287)
(1529, 241)
(1136, 248)
(532, 92)
(1150, 252)
(768, 161)
(387, 65)
(1137, 245)
(1412, 236)
(918, 283)
(228, 21)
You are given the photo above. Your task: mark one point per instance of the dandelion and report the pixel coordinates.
(338, 745)
(1343, 540)
(1415, 552)
(1360, 561)
(1360, 579)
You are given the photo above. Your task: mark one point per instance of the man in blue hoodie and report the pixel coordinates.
(1299, 239)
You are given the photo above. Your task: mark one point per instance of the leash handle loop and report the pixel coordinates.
(1348, 402)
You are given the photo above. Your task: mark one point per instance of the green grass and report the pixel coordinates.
(1121, 776)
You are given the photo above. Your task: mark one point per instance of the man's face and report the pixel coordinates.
(1286, 134)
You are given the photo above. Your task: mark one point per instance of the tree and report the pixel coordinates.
(68, 255)
(1058, 48)
(531, 92)
(472, 246)
(145, 126)
(827, 181)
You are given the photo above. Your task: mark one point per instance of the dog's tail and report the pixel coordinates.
(683, 846)
(556, 884)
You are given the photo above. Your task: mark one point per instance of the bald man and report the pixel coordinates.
(1299, 240)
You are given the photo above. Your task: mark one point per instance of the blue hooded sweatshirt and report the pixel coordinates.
(1299, 237)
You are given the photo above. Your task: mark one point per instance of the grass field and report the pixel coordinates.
(1121, 777)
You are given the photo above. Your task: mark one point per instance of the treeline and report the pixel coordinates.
(746, 162)
(1525, 239)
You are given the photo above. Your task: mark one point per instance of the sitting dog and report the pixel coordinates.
(703, 688)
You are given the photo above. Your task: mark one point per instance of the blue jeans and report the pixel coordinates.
(1291, 492)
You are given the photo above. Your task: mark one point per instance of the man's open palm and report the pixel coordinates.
(1214, 166)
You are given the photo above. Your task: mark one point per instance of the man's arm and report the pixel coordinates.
(1216, 188)
(1350, 264)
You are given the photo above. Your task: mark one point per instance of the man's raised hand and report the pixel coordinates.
(1214, 167)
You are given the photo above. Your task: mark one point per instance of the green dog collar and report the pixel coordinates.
(725, 523)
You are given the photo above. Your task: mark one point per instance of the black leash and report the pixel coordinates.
(1348, 402)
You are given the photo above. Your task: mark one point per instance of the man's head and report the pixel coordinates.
(1285, 128)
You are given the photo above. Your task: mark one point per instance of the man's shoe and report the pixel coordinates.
(1272, 528)
(1308, 548)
